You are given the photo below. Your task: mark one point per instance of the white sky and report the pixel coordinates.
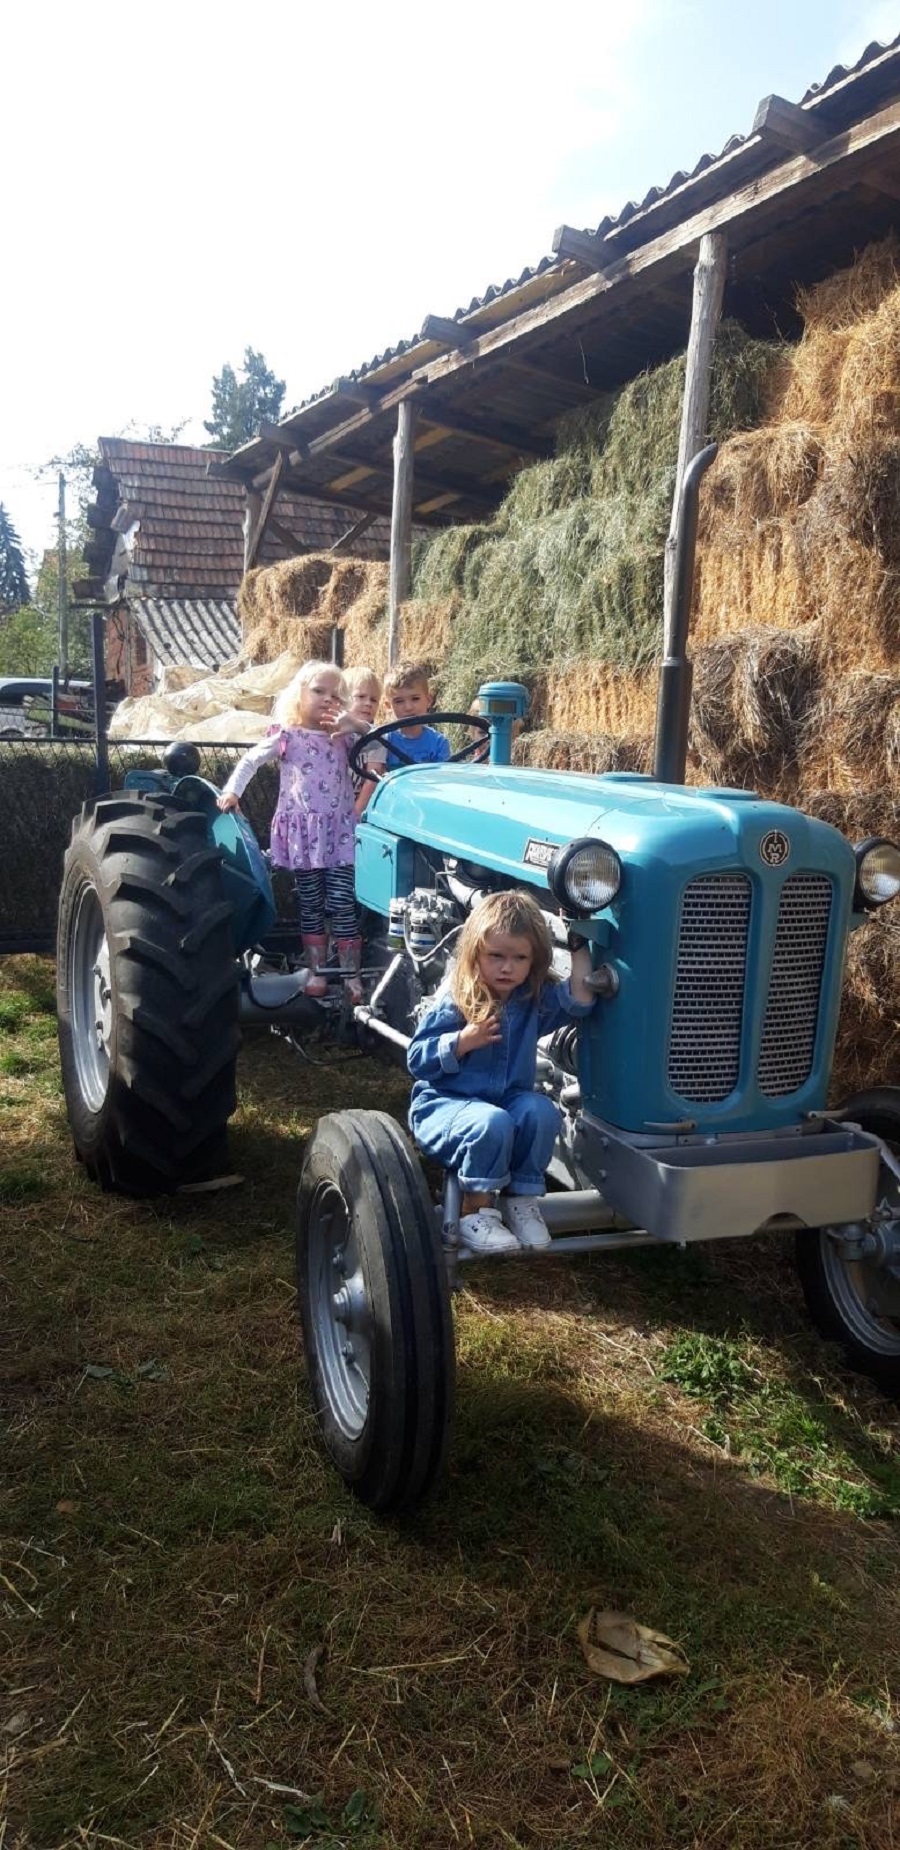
(184, 180)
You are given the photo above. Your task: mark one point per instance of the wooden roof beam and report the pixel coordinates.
(268, 432)
(785, 125)
(878, 181)
(432, 484)
(358, 391)
(445, 332)
(582, 247)
(502, 436)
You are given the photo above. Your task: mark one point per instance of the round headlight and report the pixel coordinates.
(877, 872)
(585, 875)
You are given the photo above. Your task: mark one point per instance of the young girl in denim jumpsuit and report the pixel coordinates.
(473, 1058)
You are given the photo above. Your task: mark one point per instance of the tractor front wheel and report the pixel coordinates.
(851, 1300)
(375, 1309)
(147, 995)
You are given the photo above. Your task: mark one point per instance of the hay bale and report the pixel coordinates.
(293, 606)
(589, 696)
(582, 751)
(852, 735)
(867, 1051)
(753, 695)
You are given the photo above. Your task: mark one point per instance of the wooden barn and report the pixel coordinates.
(168, 550)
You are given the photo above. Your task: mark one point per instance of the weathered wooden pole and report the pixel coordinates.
(709, 283)
(401, 522)
(252, 511)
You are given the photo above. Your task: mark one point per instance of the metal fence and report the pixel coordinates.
(43, 786)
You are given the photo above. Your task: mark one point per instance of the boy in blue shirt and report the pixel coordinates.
(410, 697)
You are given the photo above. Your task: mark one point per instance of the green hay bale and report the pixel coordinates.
(572, 564)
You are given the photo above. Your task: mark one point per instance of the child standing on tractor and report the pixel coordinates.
(364, 694)
(407, 688)
(473, 1058)
(312, 828)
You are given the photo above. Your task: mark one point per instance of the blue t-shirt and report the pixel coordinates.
(431, 747)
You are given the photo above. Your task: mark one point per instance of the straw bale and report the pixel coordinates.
(752, 576)
(753, 696)
(852, 736)
(858, 814)
(294, 605)
(588, 695)
(592, 752)
(867, 1052)
(761, 473)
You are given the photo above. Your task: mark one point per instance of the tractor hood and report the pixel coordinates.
(510, 819)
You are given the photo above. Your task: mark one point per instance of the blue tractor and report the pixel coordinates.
(693, 1099)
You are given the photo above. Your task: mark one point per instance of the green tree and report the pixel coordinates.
(238, 404)
(14, 590)
(27, 641)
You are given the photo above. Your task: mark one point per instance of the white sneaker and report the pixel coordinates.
(524, 1218)
(484, 1232)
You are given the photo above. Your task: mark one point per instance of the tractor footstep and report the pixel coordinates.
(210, 1186)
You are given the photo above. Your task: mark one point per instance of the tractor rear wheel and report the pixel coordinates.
(856, 1301)
(375, 1309)
(147, 995)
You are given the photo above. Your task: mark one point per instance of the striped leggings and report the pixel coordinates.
(327, 891)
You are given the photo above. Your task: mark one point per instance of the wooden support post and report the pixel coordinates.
(258, 534)
(401, 521)
(252, 510)
(709, 283)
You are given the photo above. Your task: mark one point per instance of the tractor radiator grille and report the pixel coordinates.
(708, 1005)
(792, 1010)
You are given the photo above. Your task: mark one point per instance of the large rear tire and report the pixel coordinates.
(856, 1302)
(375, 1309)
(147, 995)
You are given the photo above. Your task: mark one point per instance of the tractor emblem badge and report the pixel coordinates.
(774, 848)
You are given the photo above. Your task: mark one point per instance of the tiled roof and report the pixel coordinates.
(840, 93)
(199, 631)
(184, 528)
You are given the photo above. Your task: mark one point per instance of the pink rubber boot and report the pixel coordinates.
(315, 950)
(349, 951)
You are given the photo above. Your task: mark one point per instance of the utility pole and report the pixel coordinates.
(63, 587)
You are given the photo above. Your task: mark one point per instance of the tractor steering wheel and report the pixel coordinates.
(366, 739)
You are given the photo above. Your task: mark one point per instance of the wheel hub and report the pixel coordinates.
(90, 979)
(342, 1310)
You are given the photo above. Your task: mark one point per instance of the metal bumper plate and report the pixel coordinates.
(728, 1189)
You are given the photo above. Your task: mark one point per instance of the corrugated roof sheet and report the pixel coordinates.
(202, 632)
(616, 227)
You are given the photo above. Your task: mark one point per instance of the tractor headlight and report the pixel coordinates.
(585, 875)
(877, 873)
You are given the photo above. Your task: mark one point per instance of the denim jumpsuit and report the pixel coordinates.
(481, 1115)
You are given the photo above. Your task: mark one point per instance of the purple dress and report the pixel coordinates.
(313, 821)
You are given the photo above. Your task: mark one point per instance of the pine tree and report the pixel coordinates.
(14, 590)
(238, 405)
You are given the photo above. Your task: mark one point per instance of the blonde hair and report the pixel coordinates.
(286, 710)
(407, 674)
(519, 915)
(358, 678)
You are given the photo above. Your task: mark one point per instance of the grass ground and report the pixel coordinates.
(205, 1641)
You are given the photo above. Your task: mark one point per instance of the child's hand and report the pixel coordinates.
(478, 1034)
(345, 722)
(228, 802)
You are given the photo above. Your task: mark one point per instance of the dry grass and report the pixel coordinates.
(177, 1549)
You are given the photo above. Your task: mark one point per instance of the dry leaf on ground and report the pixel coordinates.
(615, 1646)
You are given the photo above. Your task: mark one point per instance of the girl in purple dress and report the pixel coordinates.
(312, 828)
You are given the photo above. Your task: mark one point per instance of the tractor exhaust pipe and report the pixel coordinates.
(676, 674)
